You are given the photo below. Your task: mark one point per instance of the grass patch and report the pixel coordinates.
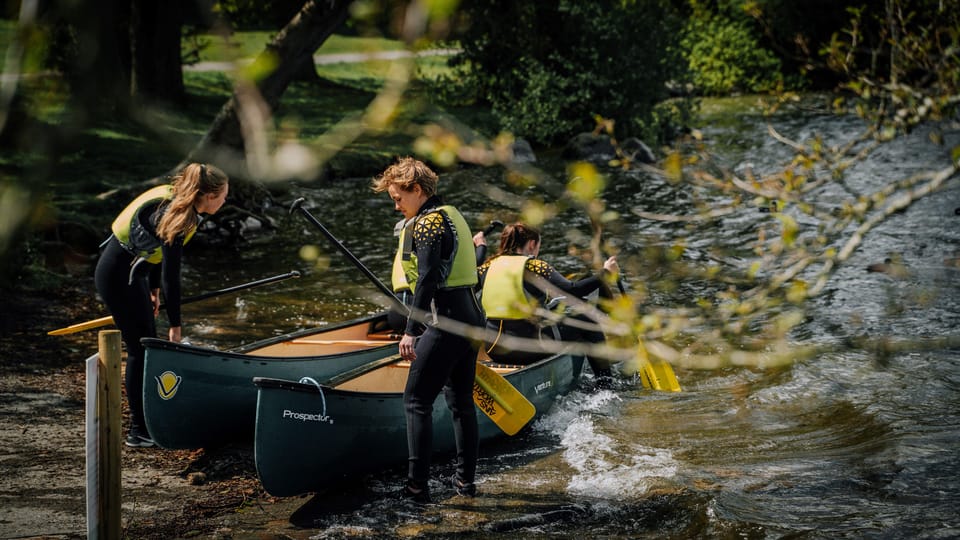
(240, 45)
(116, 153)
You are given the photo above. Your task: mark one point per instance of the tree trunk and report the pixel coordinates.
(293, 47)
(155, 28)
(99, 74)
(306, 71)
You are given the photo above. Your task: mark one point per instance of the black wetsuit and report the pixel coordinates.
(529, 329)
(126, 292)
(445, 361)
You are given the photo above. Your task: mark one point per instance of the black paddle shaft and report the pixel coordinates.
(298, 205)
(235, 288)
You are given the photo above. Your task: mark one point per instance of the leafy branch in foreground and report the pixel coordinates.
(750, 322)
(755, 287)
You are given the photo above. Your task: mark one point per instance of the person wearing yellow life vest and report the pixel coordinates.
(509, 295)
(403, 276)
(440, 243)
(143, 255)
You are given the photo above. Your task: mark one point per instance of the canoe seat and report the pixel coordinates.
(384, 335)
(502, 368)
(485, 359)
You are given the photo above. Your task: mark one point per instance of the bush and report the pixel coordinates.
(548, 69)
(725, 55)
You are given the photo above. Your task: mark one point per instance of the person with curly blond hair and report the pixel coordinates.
(436, 260)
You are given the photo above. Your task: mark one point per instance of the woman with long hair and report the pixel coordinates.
(143, 256)
(510, 294)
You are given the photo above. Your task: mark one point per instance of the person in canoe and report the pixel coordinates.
(436, 242)
(142, 256)
(509, 294)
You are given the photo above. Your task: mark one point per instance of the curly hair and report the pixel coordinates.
(406, 173)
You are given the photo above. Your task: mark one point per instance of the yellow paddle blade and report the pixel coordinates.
(656, 374)
(500, 401)
(80, 327)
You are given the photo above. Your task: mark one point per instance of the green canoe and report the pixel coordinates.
(310, 435)
(197, 397)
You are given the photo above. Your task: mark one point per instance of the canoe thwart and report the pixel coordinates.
(368, 342)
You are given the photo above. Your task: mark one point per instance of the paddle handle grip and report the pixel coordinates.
(494, 225)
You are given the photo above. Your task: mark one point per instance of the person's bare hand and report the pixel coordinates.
(610, 265)
(407, 350)
(479, 239)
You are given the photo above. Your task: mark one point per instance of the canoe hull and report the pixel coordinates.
(308, 437)
(197, 397)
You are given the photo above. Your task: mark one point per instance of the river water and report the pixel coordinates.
(849, 444)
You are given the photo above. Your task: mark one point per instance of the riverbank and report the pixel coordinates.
(206, 493)
(165, 494)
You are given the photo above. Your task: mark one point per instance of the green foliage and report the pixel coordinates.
(539, 114)
(667, 120)
(547, 69)
(904, 57)
(725, 55)
(258, 14)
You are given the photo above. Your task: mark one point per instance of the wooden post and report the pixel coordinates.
(109, 410)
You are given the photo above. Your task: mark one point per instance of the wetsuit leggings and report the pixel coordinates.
(446, 362)
(132, 311)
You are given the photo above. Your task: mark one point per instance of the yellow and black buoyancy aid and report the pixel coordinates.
(132, 234)
(462, 270)
(503, 296)
(404, 275)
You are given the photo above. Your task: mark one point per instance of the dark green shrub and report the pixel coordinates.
(547, 69)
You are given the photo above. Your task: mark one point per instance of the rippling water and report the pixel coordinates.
(850, 444)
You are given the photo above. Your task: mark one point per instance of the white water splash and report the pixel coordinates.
(570, 407)
(241, 309)
(345, 531)
(202, 329)
(605, 468)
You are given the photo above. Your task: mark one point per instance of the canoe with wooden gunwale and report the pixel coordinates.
(196, 397)
(309, 436)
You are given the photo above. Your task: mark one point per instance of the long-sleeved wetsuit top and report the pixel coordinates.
(167, 272)
(579, 288)
(434, 242)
